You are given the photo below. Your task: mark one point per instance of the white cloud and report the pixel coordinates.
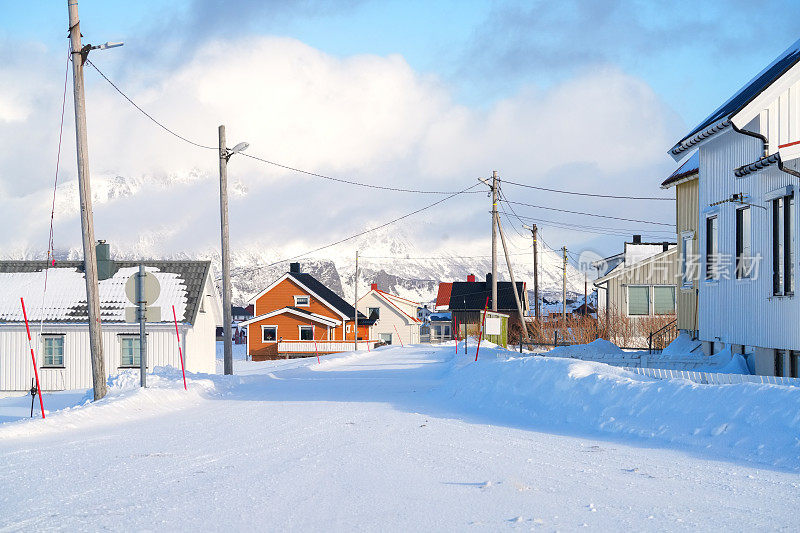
(370, 118)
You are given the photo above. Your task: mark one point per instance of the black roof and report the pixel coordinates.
(471, 295)
(756, 86)
(329, 296)
(192, 273)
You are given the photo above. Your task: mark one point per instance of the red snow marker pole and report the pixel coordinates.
(398, 336)
(483, 324)
(180, 351)
(316, 350)
(33, 357)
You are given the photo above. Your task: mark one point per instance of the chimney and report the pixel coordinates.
(294, 268)
(471, 278)
(637, 239)
(665, 246)
(374, 287)
(105, 267)
(489, 280)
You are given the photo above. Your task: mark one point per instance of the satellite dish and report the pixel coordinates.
(241, 147)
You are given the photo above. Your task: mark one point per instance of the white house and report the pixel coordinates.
(395, 317)
(59, 322)
(748, 179)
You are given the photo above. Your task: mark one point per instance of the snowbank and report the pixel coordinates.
(745, 421)
(124, 402)
(581, 351)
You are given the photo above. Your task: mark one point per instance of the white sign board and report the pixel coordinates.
(494, 325)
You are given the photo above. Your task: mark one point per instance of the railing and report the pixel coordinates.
(325, 346)
(663, 336)
(713, 378)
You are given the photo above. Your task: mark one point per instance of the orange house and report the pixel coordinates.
(298, 315)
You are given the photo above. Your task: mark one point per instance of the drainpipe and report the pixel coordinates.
(765, 142)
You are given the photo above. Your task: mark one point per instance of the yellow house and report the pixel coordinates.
(685, 182)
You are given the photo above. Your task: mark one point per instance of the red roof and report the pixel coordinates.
(443, 296)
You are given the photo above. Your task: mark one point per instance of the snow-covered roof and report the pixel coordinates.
(182, 284)
(690, 167)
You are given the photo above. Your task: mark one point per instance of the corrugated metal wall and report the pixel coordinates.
(687, 216)
(744, 311)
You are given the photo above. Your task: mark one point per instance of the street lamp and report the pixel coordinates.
(224, 155)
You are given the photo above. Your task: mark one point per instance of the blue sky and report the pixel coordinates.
(584, 95)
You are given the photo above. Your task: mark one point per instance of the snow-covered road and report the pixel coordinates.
(371, 442)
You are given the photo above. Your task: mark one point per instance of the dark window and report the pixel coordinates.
(779, 362)
(794, 359)
(744, 250)
(782, 249)
(269, 334)
(306, 333)
(374, 313)
(712, 248)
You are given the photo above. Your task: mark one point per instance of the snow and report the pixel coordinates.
(411, 439)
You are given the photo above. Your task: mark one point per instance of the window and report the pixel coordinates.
(306, 333)
(374, 313)
(129, 346)
(269, 333)
(53, 346)
(782, 249)
(302, 301)
(687, 252)
(779, 362)
(386, 338)
(638, 300)
(744, 250)
(663, 300)
(349, 327)
(712, 248)
(794, 359)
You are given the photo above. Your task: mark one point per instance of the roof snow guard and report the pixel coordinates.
(764, 162)
(722, 117)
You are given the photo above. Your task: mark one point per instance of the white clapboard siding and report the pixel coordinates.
(392, 320)
(743, 311)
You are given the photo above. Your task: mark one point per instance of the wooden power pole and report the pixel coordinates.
(514, 285)
(534, 231)
(494, 240)
(564, 288)
(85, 194)
(224, 155)
(355, 303)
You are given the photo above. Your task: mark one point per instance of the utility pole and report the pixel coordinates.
(585, 295)
(564, 288)
(514, 285)
(355, 303)
(534, 231)
(226, 253)
(494, 240)
(78, 56)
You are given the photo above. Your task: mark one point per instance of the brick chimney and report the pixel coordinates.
(471, 278)
(374, 286)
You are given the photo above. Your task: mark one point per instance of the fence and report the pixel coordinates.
(324, 346)
(713, 378)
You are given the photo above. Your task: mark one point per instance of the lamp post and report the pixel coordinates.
(224, 155)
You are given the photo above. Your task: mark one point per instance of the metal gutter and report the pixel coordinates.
(765, 161)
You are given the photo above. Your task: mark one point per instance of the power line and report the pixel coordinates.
(589, 214)
(263, 160)
(587, 193)
(360, 233)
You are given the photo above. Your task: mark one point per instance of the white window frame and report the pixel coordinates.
(348, 328)
(653, 300)
(133, 337)
(381, 335)
(306, 296)
(300, 330)
(265, 326)
(686, 236)
(45, 364)
(649, 300)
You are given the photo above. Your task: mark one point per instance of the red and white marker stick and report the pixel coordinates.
(33, 357)
(398, 336)
(316, 350)
(180, 351)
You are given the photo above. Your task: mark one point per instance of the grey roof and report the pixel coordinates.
(191, 275)
(750, 91)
